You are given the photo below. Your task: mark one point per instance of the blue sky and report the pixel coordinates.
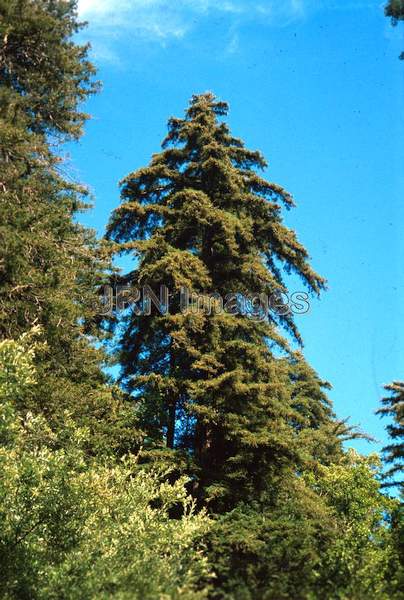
(316, 85)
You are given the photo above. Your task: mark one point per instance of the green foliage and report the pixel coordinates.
(76, 528)
(222, 385)
(362, 561)
(393, 407)
(271, 549)
(395, 10)
(327, 535)
(17, 372)
(44, 75)
(50, 266)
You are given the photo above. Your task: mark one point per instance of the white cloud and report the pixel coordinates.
(233, 45)
(96, 8)
(160, 15)
(147, 17)
(162, 20)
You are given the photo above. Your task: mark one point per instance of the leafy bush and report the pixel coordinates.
(76, 528)
(327, 534)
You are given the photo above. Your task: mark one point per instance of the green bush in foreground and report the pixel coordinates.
(75, 529)
(326, 535)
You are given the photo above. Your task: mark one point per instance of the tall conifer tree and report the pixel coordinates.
(223, 384)
(49, 264)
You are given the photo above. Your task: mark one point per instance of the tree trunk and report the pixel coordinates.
(171, 424)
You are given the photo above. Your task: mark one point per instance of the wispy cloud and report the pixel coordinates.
(159, 21)
(99, 9)
(151, 18)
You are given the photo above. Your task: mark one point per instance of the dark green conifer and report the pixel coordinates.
(224, 386)
(393, 407)
(50, 265)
